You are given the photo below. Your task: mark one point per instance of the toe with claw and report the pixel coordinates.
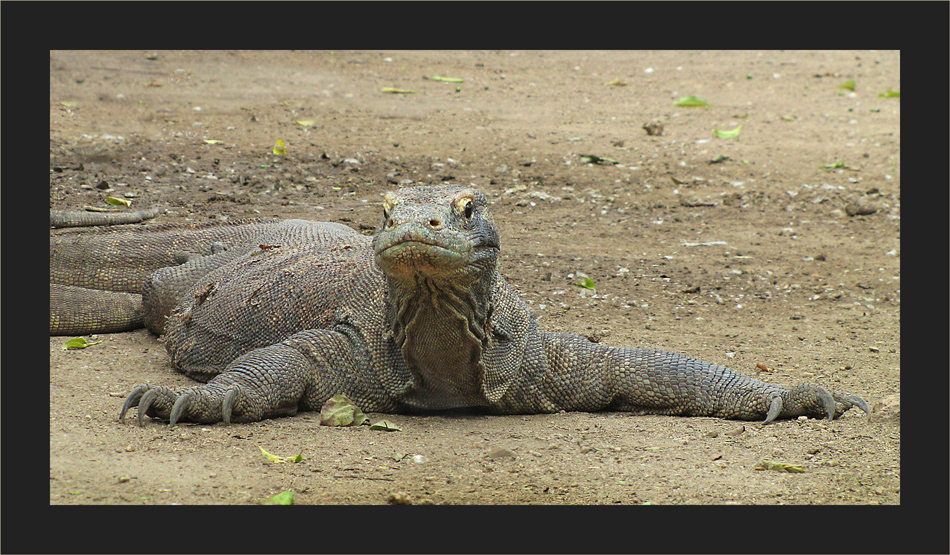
(814, 401)
(199, 404)
(150, 400)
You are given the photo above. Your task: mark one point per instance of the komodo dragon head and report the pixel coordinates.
(442, 233)
(438, 248)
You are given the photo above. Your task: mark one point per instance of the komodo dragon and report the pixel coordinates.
(278, 316)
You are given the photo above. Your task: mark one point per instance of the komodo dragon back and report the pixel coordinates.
(276, 317)
(300, 275)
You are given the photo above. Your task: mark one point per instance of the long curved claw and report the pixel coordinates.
(144, 403)
(181, 404)
(775, 408)
(828, 401)
(228, 405)
(858, 402)
(132, 400)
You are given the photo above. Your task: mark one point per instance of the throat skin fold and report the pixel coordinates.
(442, 330)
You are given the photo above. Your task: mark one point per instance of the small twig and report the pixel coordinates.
(132, 71)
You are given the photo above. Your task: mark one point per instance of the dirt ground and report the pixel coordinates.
(742, 251)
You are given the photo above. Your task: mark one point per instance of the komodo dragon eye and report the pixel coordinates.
(469, 209)
(389, 201)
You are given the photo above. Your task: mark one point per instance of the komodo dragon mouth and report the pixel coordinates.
(423, 256)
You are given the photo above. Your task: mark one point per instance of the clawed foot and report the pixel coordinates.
(814, 401)
(203, 404)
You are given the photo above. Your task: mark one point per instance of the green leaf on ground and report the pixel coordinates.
(890, 94)
(594, 159)
(397, 91)
(118, 201)
(339, 410)
(691, 102)
(279, 459)
(386, 426)
(283, 498)
(446, 79)
(731, 134)
(280, 148)
(78, 343)
(584, 281)
(849, 85)
(832, 166)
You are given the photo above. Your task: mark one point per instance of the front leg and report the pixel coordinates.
(587, 376)
(298, 374)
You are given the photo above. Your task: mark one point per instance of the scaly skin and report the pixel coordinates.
(79, 218)
(97, 276)
(415, 319)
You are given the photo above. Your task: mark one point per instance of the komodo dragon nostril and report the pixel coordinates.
(435, 223)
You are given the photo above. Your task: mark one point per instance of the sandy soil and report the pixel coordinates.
(741, 251)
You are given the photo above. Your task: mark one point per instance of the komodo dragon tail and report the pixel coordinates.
(79, 218)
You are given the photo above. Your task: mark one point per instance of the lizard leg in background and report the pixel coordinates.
(78, 311)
